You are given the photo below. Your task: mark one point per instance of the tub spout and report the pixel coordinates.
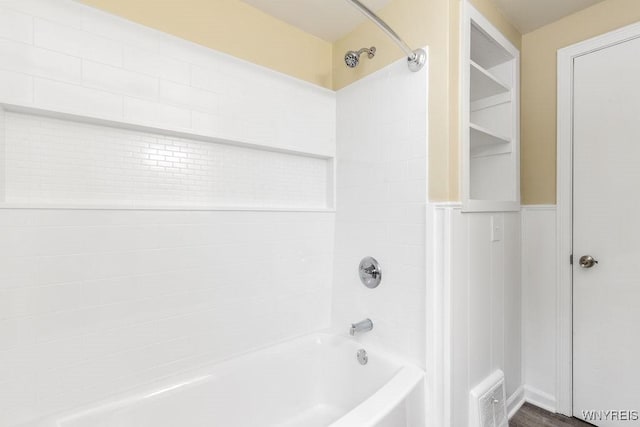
(362, 326)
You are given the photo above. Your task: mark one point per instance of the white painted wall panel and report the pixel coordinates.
(539, 304)
(513, 288)
(460, 306)
(484, 326)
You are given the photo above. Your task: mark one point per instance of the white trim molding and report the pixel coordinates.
(564, 345)
(438, 252)
(540, 399)
(515, 402)
(470, 16)
(538, 207)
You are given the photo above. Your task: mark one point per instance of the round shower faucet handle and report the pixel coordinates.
(370, 272)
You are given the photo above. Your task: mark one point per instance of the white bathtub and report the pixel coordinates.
(313, 381)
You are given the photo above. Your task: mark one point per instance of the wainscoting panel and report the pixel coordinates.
(481, 270)
(539, 305)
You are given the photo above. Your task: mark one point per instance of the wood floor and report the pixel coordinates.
(532, 416)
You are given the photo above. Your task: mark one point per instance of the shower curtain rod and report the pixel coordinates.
(415, 58)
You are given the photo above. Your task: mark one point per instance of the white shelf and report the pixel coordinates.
(490, 110)
(490, 101)
(484, 49)
(483, 84)
(482, 137)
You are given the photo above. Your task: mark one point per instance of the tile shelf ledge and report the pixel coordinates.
(163, 131)
(156, 205)
(122, 207)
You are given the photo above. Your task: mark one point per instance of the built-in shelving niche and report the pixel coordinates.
(490, 110)
(55, 160)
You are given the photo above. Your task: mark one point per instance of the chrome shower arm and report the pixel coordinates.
(370, 51)
(416, 58)
(383, 26)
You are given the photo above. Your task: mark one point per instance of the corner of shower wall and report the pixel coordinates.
(381, 200)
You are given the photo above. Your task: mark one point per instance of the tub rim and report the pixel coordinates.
(405, 379)
(384, 400)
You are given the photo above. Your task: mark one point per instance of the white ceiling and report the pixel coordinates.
(528, 15)
(332, 19)
(328, 19)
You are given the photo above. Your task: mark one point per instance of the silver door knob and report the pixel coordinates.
(587, 261)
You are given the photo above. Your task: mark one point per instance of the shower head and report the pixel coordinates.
(352, 58)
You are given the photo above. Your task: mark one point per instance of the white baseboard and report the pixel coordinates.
(540, 399)
(515, 402)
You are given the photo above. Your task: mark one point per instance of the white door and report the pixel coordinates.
(606, 313)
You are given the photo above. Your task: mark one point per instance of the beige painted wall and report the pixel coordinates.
(539, 72)
(236, 28)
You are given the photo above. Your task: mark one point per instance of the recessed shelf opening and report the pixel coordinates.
(65, 161)
(484, 84)
(490, 119)
(485, 50)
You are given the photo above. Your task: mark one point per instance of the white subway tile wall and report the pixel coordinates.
(381, 199)
(16, 26)
(51, 161)
(36, 61)
(96, 301)
(74, 42)
(16, 88)
(64, 56)
(68, 98)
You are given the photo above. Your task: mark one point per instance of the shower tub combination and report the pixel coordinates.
(312, 381)
(319, 380)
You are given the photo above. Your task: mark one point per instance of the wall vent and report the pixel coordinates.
(488, 403)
